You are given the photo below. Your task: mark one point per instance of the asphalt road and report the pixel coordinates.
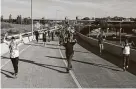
(45, 67)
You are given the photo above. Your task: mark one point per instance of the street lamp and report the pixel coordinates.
(31, 21)
(120, 32)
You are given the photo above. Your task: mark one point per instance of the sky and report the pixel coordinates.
(58, 9)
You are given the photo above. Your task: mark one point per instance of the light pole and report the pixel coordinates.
(32, 21)
(120, 32)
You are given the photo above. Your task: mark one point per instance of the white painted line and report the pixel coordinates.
(71, 72)
(20, 53)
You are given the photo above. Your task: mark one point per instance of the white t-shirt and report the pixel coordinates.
(126, 50)
(14, 50)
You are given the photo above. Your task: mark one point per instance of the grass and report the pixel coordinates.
(13, 29)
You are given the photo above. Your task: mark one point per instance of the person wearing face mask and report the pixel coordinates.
(14, 52)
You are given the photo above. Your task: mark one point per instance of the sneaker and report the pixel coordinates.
(67, 70)
(15, 75)
(127, 67)
(124, 68)
(70, 67)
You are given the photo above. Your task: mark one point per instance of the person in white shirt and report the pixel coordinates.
(126, 54)
(14, 52)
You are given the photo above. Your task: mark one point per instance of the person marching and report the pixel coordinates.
(44, 37)
(37, 36)
(101, 37)
(52, 35)
(69, 42)
(14, 52)
(60, 38)
(49, 36)
(126, 54)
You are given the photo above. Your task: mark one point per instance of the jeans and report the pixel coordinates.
(69, 59)
(125, 60)
(15, 64)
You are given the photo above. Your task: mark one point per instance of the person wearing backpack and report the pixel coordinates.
(14, 52)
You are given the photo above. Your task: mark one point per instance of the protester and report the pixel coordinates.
(60, 38)
(44, 37)
(126, 54)
(101, 37)
(49, 36)
(68, 44)
(52, 35)
(37, 35)
(14, 52)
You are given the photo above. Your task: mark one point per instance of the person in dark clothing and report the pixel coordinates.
(68, 44)
(52, 35)
(60, 38)
(49, 36)
(44, 37)
(37, 35)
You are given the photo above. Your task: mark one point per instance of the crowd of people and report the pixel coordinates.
(67, 38)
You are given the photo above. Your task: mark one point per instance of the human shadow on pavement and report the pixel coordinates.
(52, 67)
(94, 64)
(52, 44)
(45, 65)
(4, 72)
(34, 44)
(107, 56)
(64, 49)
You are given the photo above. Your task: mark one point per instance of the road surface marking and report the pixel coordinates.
(20, 53)
(71, 72)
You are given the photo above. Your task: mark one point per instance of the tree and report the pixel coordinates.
(10, 18)
(2, 18)
(19, 19)
(25, 21)
(86, 18)
(43, 21)
(76, 17)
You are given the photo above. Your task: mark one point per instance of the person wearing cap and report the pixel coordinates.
(14, 52)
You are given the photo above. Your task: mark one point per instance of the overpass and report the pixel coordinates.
(45, 67)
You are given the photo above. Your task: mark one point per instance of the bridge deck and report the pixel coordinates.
(44, 66)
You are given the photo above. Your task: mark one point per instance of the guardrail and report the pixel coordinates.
(27, 34)
(109, 47)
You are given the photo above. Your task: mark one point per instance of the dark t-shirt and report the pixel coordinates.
(69, 47)
(100, 39)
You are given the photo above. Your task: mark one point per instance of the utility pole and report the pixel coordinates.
(32, 22)
(120, 32)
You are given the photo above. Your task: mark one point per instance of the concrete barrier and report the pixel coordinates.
(109, 47)
(5, 48)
